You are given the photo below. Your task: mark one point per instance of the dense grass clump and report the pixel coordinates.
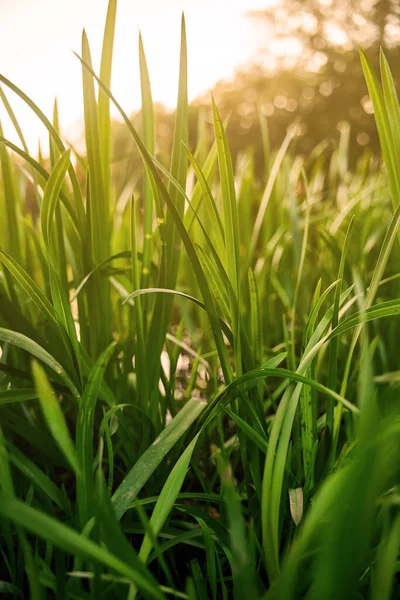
(199, 368)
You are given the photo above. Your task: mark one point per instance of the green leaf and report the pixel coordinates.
(25, 343)
(167, 498)
(54, 416)
(149, 461)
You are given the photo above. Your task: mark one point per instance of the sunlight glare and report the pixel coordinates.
(36, 40)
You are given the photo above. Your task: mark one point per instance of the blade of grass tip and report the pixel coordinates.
(72, 542)
(231, 229)
(149, 142)
(12, 202)
(161, 189)
(149, 461)
(85, 434)
(54, 417)
(80, 211)
(104, 101)
(333, 346)
(20, 134)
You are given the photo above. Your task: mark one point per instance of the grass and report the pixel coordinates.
(198, 373)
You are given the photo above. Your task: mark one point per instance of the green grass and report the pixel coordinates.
(199, 366)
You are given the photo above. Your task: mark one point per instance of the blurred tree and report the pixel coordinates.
(310, 67)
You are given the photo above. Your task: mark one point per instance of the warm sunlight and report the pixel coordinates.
(36, 39)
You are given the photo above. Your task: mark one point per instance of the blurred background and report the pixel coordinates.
(288, 59)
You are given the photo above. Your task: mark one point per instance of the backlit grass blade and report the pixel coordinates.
(76, 189)
(12, 202)
(149, 461)
(54, 417)
(161, 189)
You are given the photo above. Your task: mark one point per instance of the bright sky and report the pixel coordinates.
(37, 36)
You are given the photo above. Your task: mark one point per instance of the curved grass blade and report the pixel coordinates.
(149, 461)
(25, 343)
(54, 416)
